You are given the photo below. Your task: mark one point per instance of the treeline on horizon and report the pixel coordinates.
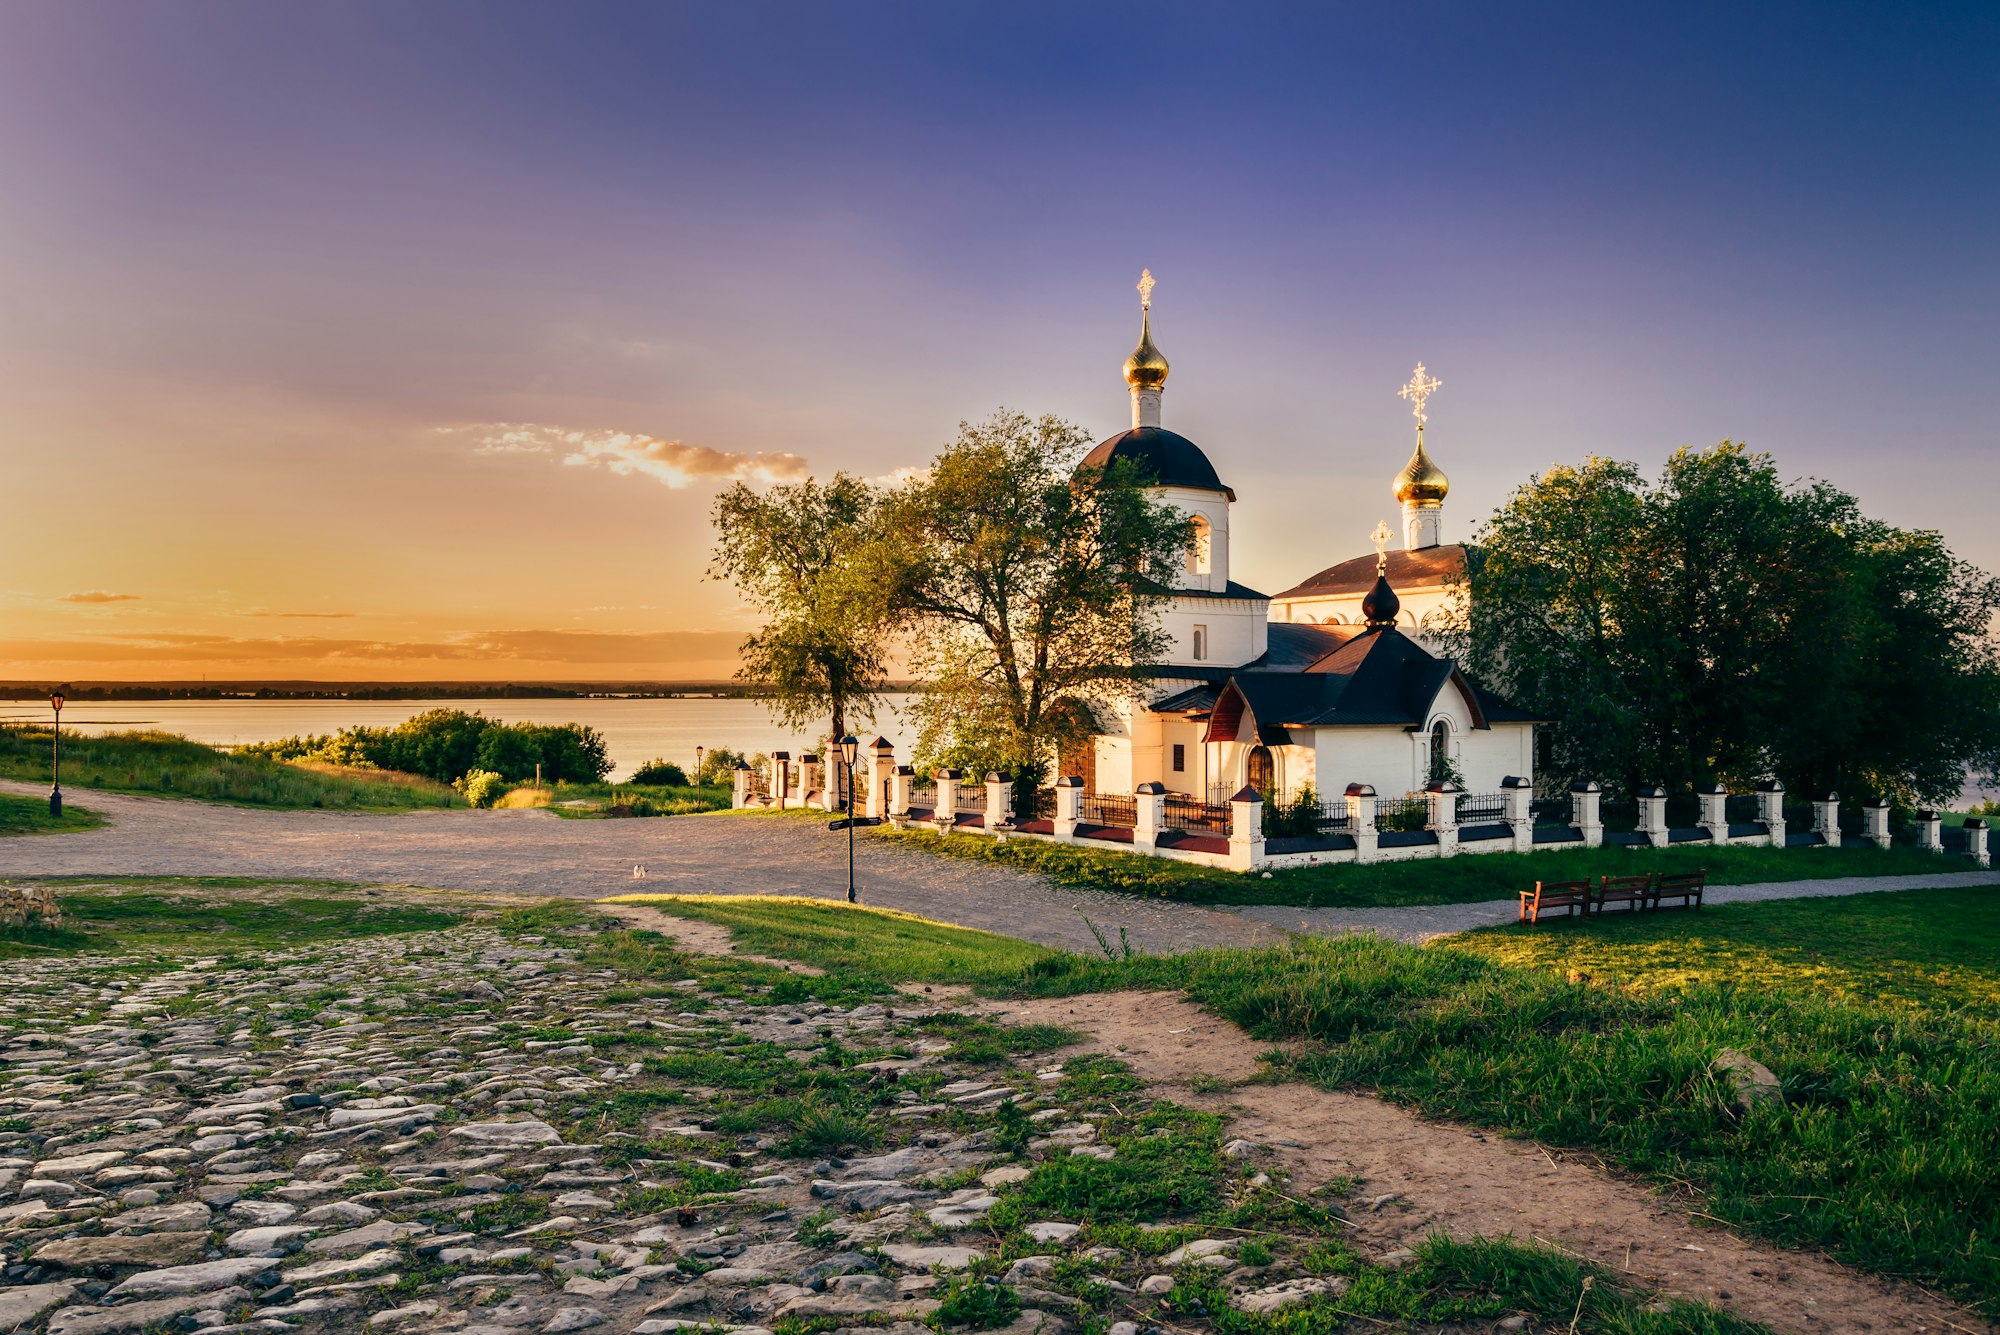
(250, 690)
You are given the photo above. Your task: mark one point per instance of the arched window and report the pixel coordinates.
(1335, 619)
(1198, 555)
(1201, 644)
(1262, 772)
(1440, 750)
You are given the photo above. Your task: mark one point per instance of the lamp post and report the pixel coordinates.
(699, 752)
(55, 757)
(850, 747)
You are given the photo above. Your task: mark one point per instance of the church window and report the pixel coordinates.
(1200, 644)
(1261, 772)
(1440, 750)
(1198, 557)
(1180, 758)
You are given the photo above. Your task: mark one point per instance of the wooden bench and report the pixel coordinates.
(1686, 886)
(1569, 896)
(1631, 891)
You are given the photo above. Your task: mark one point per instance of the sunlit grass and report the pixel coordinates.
(168, 765)
(30, 815)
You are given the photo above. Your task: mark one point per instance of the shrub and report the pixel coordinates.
(482, 787)
(660, 773)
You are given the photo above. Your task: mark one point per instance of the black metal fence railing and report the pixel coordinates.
(1334, 817)
(1111, 809)
(1482, 809)
(1741, 809)
(1034, 803)
(1220, 793)
(1558, 809)
(1186, 813)
(924, 795)
(1401, 814)
(970, 797)
(1619, 814)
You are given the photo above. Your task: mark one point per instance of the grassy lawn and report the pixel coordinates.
(30, 815)
(1875, 1012)
(602, 801)
(1465, 879)
(166, 916)
(164, 765)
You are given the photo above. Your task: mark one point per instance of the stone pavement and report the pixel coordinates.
(539, 853)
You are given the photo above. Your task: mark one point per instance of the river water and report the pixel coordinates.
(635, 731)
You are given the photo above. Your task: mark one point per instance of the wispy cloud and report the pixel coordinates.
(304, 616)
(659, 649)
(672, 463)
(100, 596)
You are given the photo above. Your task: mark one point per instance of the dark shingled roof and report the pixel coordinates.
(1162, 456)
(1424, 568)
(1358, 676)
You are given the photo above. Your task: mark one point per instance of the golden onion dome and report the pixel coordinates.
(1146, 368)
(1421, 479)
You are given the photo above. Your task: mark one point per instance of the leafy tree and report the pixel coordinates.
(1020, 582)
(662, 773)
(796, 553)
(1720, 625)
(718, 765)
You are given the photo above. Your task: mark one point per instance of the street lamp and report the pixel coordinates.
(699, 752)
(55, 757)
(850, 746)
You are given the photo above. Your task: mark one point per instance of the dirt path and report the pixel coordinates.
(1422, 1177)
(1437, 1177)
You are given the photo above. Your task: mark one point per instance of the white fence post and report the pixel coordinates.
(1150, 815)
(1069, 806)
(1442, 818)
(1653, 815)
(946, 814)
(1875, 822)
(739, 792)
(1771, 810)
(1520, 795)
(1361, 820)
(881, 776)
(1714, 812)
(1975, 841)
(999, 800)
(1826, 819)
(812, 779)
(1586, 811)
(899, 793)
(1246, 830)
(1929, 834)
(781, 779)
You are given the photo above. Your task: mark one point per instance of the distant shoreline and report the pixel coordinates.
(401, 690)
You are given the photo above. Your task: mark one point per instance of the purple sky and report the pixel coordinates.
(269, 274)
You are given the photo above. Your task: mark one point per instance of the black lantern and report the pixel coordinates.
(55, 756)
(850, 746)
(699, 752)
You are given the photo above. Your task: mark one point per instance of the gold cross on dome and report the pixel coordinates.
(1146, 285)
(1421, 387)
(1380, 537)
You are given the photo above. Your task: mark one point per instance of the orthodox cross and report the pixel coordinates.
(1421, 387)
(1146, 286)
(1380, 537)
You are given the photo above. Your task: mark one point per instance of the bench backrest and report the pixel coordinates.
(1683, 880)
(1550, 892)
(1625, 884)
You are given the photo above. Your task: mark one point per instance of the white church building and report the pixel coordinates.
(1327, 684)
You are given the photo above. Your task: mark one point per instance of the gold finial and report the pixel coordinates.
(1146, 368)
(1421, 387)
(1380, 537)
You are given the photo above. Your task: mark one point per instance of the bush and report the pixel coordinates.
(719, 766)
(660, 773)
(482, 787)
(442, 744)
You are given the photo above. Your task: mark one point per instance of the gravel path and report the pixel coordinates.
(535, 852)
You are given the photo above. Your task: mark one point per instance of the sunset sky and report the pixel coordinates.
(412, 341)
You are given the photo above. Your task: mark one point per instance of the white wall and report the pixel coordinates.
(1214, 507)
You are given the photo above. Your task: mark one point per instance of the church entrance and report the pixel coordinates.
(1263, 772)
(1080, 758)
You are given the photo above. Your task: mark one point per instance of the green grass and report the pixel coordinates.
(178, 920)
(163, 764)
(1468, 878)
(1875, 1012)
(30, 815)
(610, 800)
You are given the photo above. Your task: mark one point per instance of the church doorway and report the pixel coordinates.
(1263, 772)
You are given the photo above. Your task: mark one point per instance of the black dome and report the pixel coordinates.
(1164, 457)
